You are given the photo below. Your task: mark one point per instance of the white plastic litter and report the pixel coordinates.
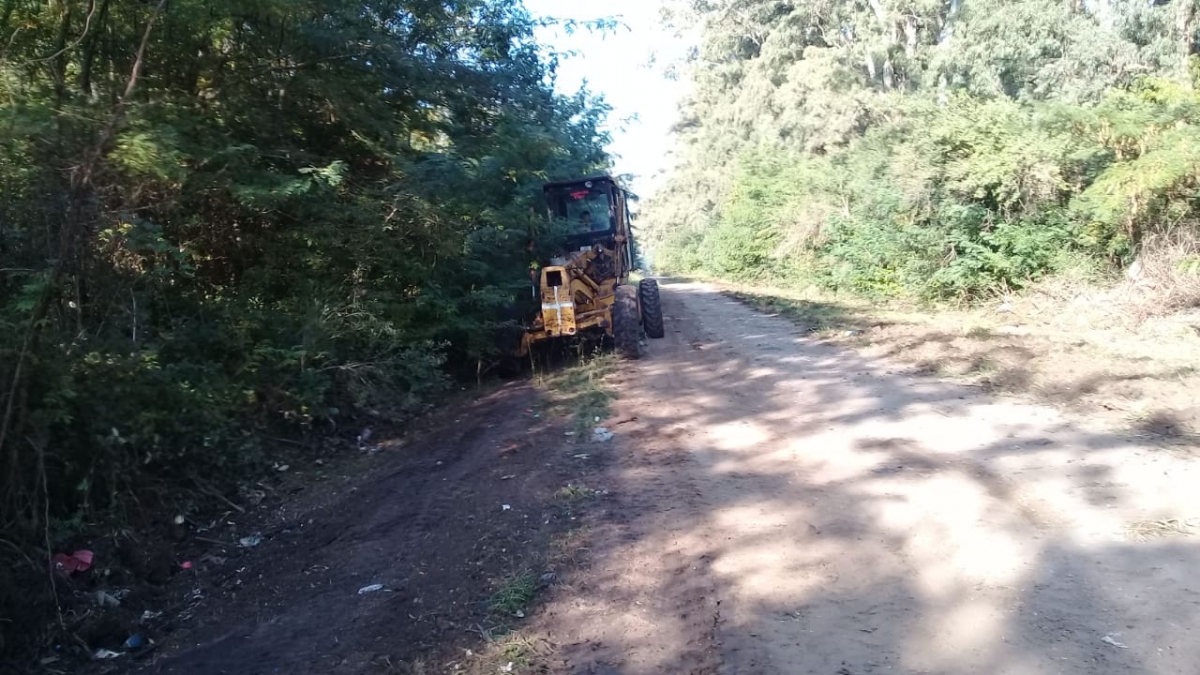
(1108, 640)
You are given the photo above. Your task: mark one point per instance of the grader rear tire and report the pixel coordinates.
(652, 316)
(627, 328)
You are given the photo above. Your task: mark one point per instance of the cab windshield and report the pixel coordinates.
(586, 210)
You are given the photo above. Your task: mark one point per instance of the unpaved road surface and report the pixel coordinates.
(769, 505)
(439, 520)
(791, 507)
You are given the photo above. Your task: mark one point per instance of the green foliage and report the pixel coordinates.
(291, 212)
(930, 150)
(514, 595)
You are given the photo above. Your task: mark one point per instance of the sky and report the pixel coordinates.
(618, 66)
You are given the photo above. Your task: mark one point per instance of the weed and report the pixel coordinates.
(1144, 530)
(572, 541)
(571, 548)
(983, 366)
(581, 392)
(575, 493)
(571, 495)
(514, 594)
(1166, 276)
(1138, 413)
(513, 653)
(981, 332)
(510, 653)
(517, 649)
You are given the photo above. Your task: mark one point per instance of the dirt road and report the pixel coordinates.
(770, 505)
(791, 507)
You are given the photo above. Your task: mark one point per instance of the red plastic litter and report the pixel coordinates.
(186, 564)
(79, 561)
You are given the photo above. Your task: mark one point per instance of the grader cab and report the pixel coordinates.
(585, 292)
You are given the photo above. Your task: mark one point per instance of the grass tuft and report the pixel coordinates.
(574, 493)
(514, 595)
(581, 392)
(1144, 530)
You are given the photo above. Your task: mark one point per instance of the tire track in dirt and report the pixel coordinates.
(646, 602)
(831, 515)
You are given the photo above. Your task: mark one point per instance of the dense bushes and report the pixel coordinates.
(963, 174)
(225, 222)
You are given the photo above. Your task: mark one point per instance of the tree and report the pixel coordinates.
(927, 148)
(221, 218)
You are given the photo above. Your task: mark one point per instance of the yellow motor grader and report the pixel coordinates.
(585, 292)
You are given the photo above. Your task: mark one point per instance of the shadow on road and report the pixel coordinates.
(831, 516)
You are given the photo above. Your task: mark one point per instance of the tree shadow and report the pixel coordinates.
(810, 315)
(852, 520)
(1000, 360)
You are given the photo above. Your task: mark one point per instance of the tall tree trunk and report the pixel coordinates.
(72, 234)
(947, 27)
(6, 17)
(880, 13)
(1185, 31)
(889, 31)
(89, 53)
(58, 66)
(77, 225)
(910, 36)
(945, 34)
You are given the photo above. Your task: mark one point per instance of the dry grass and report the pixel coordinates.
(1070, 342)
(515, 653)
(1165, 278)
(1144, 530)
(582, 391)
(575, 493)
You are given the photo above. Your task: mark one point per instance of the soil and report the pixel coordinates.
(771, 503)
(442, 520)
